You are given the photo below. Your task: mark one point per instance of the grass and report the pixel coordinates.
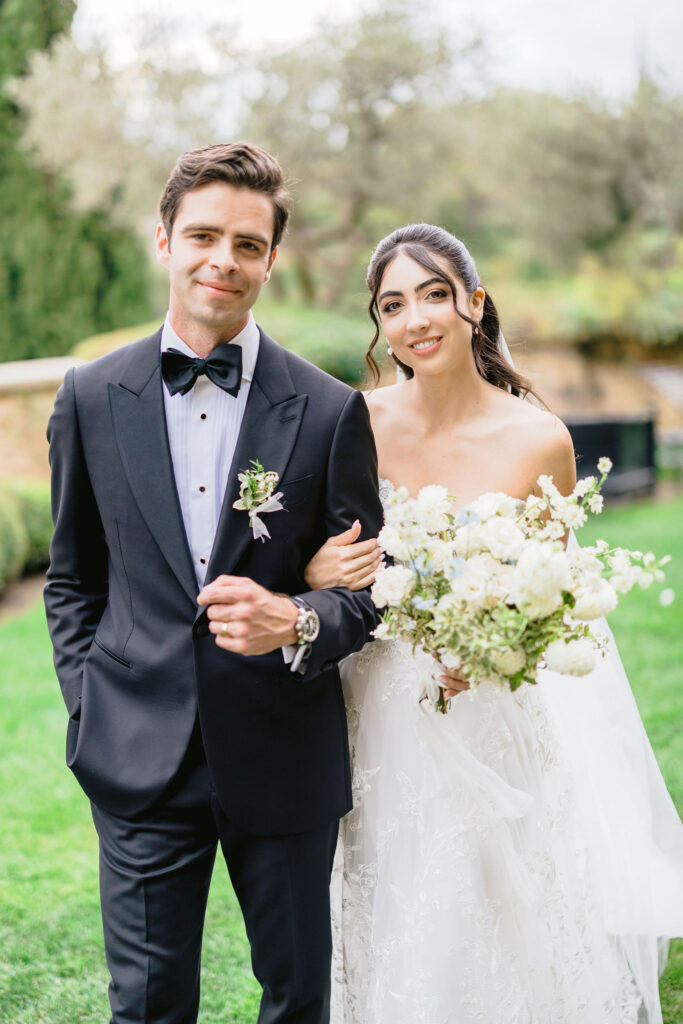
(51, 953)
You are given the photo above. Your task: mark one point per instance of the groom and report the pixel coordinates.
(199, 674)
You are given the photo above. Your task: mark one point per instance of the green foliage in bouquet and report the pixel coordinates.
(492, 591)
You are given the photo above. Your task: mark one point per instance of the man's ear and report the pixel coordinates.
(162, 245)
(270, 264)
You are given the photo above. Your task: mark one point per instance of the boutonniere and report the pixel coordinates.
(256, 496)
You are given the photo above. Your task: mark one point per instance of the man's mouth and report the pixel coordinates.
(219, 289)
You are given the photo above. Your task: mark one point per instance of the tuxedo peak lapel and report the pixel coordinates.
(137, 408)
(270, 427)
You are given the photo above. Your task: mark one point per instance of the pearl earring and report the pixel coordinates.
(390, 351)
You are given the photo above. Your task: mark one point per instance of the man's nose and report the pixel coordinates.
(223, 256)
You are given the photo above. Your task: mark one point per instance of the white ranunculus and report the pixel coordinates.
(594, 600)
(392, 543)
(478, 584)
(433, 498)
(503, 538)
(508, 660)
(572, 658)
(539, 578)
(392, 586)
(604, 464)
(440, 554)
(401, 510)
(495, 503)
(595, 503)
(467, 540)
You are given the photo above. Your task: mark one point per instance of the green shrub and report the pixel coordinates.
(33, 497)
(14, 542)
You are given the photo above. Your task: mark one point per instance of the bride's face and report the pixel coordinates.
(419, 319)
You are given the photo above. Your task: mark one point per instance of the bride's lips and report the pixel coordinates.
(425, 349)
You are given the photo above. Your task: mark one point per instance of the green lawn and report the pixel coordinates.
(51, 957)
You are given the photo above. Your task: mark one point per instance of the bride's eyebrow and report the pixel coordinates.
(424, 284)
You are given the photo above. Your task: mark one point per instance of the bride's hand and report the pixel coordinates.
(452, 682)
(342, 562)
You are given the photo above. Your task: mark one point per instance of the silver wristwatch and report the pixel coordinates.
(307, 629)
(307, 623)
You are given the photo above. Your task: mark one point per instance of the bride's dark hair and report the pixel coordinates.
(426, 243)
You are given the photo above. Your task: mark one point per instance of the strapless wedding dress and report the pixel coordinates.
(483, 874)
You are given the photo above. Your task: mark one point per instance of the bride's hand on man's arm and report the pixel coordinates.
(344, 561)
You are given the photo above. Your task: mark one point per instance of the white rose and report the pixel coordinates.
(539, 578)
(467, 540)
(392, 586)
(495, 503)
(401, 510)
(573, 658)
(593, 601)
(509, 660)
(392, 543)
(502, 537)
(440, 554)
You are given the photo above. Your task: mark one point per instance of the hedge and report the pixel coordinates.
(25, 528)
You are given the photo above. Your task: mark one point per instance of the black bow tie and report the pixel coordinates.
(223, 367)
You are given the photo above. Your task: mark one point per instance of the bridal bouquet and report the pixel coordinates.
(491, 590)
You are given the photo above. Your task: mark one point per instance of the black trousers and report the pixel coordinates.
(154, 883)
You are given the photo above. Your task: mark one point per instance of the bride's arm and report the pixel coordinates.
(343, 561)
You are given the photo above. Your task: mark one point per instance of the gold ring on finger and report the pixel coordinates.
(224, 629)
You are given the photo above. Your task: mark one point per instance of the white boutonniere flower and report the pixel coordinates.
(256, 497)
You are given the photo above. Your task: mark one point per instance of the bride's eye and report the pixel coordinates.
(390, 307)
(438, 293)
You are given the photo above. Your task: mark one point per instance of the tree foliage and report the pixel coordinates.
(61, 275)
(573, 207)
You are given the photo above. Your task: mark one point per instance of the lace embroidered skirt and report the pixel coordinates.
(463, 891)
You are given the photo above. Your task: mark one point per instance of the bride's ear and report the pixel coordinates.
(477, 303)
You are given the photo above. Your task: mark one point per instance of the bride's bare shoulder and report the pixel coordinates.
(544, 440)
(383, 403)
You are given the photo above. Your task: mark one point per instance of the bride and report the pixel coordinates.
(517, 861)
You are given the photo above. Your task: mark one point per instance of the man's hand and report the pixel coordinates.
(245, 618)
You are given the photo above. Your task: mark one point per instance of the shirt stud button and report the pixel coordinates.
(202, 488)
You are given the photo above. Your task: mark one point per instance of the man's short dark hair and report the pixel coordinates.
(240, 164)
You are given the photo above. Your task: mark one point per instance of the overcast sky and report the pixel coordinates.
(563, 45)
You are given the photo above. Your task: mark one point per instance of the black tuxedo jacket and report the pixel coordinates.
(132, 650)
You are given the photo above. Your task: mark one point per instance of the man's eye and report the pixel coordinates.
(200, 236)
(250, 246)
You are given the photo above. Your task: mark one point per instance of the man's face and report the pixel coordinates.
(218, 258)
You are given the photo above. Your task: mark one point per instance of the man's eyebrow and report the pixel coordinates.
(419, 287)
(189, 229)
(200, 227)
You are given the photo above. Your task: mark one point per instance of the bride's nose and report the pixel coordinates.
(417, 318)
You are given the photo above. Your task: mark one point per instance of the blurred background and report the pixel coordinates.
(549, 137)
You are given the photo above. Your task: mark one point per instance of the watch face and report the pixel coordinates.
(310, 626)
